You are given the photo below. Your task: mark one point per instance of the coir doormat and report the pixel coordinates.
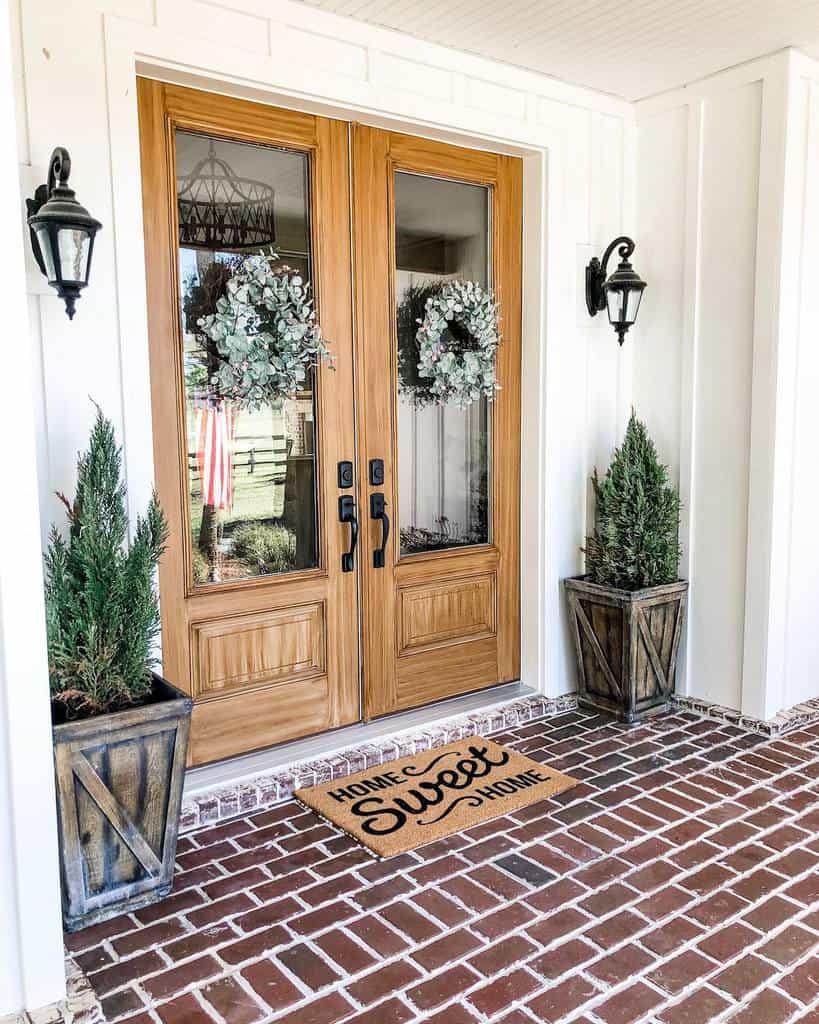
(404, 804)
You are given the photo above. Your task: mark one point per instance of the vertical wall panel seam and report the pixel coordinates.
(810, 106)
(688, 363)
(756, 685)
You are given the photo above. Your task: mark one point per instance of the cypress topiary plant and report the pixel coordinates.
(102, 611)
(636, 538)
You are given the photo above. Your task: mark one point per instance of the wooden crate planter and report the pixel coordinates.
(626, 644)
(119, 789)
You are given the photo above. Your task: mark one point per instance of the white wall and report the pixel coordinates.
(578, 148)
(30, 930)
(801, 636)
(721, 179)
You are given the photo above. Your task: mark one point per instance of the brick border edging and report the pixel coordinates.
(270, 788)
(786, 721)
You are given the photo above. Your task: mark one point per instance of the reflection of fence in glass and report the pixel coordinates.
(254, 459)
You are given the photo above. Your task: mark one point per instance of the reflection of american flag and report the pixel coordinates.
(215, 433)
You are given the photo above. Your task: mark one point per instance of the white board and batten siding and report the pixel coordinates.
(728, 216)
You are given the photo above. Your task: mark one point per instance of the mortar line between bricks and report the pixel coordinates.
(695, 900)
(717, 967)
(689, 944)
(623, 847)
(771, 983)
(397, 956)
(774, 853)
(610, 990)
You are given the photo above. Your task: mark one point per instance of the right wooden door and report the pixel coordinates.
(441, 590)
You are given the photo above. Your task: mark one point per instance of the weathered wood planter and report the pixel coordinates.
(626, 644)
(119, 788)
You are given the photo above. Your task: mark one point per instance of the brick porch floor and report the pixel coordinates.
(677, 883)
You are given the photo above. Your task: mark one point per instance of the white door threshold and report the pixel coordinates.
(255, 781)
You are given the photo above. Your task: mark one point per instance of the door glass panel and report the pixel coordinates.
(251, 474)
(442, 233)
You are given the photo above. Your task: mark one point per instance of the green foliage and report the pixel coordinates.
(201, 566)
(101, 609)
(265, 549)
(457, 342)
(265, 333)
(635, 543)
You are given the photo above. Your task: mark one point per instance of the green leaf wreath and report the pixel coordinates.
(457, 341)
(266, 334)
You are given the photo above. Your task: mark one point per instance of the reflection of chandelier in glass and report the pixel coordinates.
(219, 211)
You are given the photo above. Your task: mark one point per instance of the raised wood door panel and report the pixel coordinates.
(271, 657)
(452, 616)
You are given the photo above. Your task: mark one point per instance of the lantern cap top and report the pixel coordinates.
(625, 276)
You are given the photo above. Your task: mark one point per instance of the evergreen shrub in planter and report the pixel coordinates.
(120, 731)
(628, 611)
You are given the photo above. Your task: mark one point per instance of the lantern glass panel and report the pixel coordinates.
(616, 301)
(44, 240)
(633, 303)
(74, 246)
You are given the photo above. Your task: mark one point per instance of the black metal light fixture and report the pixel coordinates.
(62, 232)
(218, 209)
(620, 293)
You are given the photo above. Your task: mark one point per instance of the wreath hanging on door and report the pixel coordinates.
(458, 340)
(265, 333)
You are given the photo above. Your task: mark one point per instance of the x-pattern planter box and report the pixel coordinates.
(119, 789)
(627, 643)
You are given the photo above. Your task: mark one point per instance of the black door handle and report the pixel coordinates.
(346, 514)
(378, 510)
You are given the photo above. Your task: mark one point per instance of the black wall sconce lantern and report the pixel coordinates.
(620, 293)
(62, 232)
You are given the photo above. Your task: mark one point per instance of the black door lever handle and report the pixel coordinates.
(378, 510)
(346, 514)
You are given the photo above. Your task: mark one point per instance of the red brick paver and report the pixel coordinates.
(678, 883)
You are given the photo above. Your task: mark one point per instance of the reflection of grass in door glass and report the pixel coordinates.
(260, 458)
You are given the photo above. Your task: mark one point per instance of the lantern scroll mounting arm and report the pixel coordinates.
(58, 167)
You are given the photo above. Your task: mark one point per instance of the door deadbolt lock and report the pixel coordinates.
(376, 472)
(345, 474)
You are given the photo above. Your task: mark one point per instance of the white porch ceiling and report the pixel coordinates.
(632, 50)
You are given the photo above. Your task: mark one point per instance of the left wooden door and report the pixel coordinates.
(259, 622)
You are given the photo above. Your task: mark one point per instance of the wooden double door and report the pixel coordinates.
(352, 550)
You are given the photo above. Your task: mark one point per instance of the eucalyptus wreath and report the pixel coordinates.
(457, 342)
(265, 333)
